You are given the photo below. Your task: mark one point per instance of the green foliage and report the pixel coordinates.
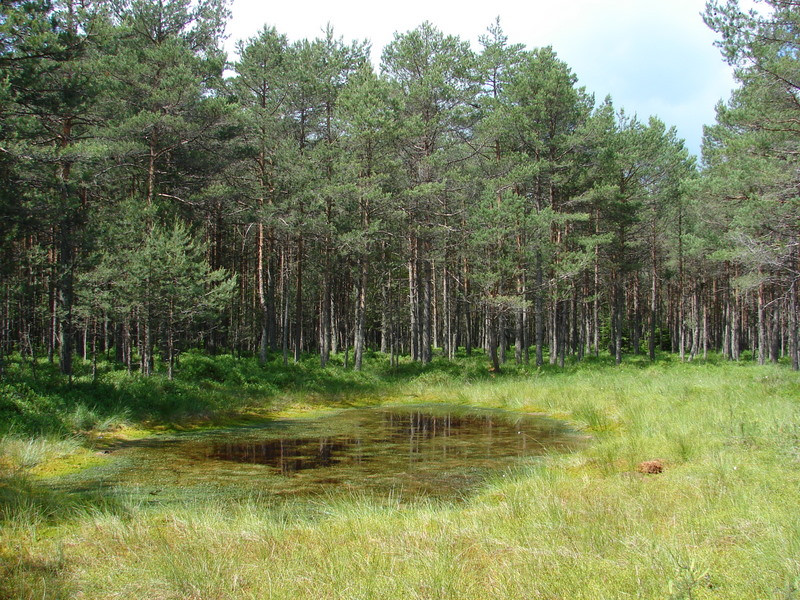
(455, 198)
(24, 410)
(197, 366)
(751, 163)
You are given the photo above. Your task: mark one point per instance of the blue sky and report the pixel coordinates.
(654, 57)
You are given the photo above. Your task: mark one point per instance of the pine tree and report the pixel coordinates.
(752, 162)
(367, 175)
(438, 80)
(262, 90)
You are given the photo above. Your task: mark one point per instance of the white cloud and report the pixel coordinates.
(648, 54)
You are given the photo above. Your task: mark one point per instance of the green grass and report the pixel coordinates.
(721, 521)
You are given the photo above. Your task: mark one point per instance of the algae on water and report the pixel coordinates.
(423, 451)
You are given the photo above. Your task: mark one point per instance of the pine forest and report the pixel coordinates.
(302, 200)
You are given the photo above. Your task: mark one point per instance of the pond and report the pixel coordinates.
(409, 452)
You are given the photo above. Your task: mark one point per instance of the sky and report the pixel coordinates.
(653, 57)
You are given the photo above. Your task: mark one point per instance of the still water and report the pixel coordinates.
(410, 452)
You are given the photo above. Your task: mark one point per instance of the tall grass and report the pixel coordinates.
(21, 453)
(721, 521)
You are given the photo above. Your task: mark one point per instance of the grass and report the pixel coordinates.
(721, 521)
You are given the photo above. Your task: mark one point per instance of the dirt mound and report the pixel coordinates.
(651, 467)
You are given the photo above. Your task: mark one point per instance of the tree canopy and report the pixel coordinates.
(155, 197)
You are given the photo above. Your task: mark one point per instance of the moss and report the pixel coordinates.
(80, 459)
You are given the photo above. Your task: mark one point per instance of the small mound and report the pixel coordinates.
(651, 467)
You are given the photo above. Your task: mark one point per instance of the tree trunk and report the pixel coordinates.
(563, 332)
(427, 316)
(793, 333)
(447, 320)
(695, 321)
(636, 326)
(554, 331)
(413, 303)
(519, 334)
(681, 316)
(385, 319)
(126, 344)
(65, 298)
(361, 311)
(146, 349)
(491, 340)
(596, 301)
(705, 331)
(66, 261)
(262, 296)
(325, 317)
(170, 345)
(653, 310)
(775, 337)
(762, 326)
(735, 329)
(285, 304)
(94, 351)
(52, 305)
(618, 315)
(298, 301)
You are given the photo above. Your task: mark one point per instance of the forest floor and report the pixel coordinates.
(720, 521)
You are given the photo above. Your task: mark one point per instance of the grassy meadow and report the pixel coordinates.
(721, 521)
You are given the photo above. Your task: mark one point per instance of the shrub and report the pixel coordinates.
(195, 365)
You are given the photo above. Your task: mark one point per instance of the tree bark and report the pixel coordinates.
(65, 298)
(262, 296)
(491, 339)
(361, 312)
(762, 326)
(298, 301)
(793, 329)
(427, 316)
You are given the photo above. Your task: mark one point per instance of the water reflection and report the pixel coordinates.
(286, 455)
(414, 452)
(393, 437)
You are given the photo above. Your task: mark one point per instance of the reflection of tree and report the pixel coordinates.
(288, 455)
(395, 441)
